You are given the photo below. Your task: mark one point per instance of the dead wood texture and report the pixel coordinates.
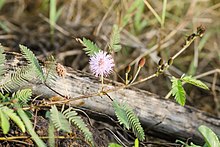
(177, 121)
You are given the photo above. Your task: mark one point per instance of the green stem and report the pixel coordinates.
(163, 13)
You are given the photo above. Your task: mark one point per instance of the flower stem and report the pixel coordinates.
(139, 68)
(126, 79)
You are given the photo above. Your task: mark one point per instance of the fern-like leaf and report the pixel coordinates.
(21, 75)
(5, 125)
(23, 95)
(71, 115)
(32, 60)
(16, 78)
(13, 116)
(177, 91)
(195, 82)
(59, 120)
(126, 116)
(135, 124)
(90, 47)
(115, 39)
(121, 114)
(2, 62)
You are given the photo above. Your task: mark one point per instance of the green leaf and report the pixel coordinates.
(135, 123)
(136, 143)
(29, 126)
(90, 47)
(209, 136)
(121, 114)
(23, 95)
(129, 119)
(195, 82)
(114, 145)
(16, 78)
(32, 60)
(177, 91)
(13, 116)
(59, 120)
(5, 125)
(115, 39)
(71, 115)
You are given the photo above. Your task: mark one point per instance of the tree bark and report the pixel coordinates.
(177, 122)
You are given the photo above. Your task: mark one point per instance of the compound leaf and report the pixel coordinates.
(121, 114)
(59, 120)
(195, 82)
(90, 47)
(32, 60)
(115, 39)
(177, 91)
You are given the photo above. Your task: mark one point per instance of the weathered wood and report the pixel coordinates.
(177, 121)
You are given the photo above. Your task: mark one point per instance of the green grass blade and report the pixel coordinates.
(52, 16)
(163, 13)
(29, 126)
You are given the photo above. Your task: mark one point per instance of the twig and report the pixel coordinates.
(22, 142)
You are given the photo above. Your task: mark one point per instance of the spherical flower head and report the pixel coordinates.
(101, 64)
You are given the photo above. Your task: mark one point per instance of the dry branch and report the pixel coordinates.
(177, 121)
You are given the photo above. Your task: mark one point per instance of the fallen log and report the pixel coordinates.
(177, 122)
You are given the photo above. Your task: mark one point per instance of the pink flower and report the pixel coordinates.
(101, 64)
